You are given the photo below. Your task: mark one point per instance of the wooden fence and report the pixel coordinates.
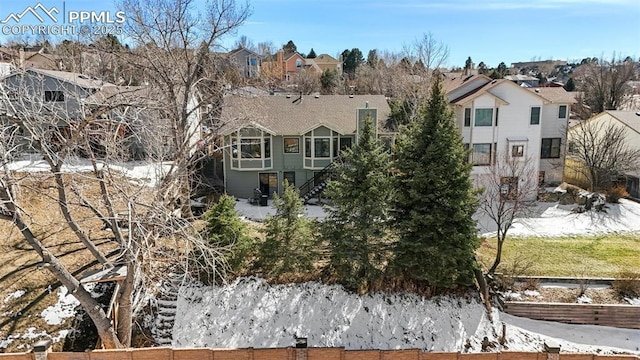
(299, 354)
(623, 316)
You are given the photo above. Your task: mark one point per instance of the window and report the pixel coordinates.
(466, 152)
(517, 150)
(562, 112)
(535, 115)
(467, 117)
(345, 143)
(290, 176)
(53, 95)
(508, 187)
(291, 145)
(298, 63)
(484, 117)
(481, 154)
(321, 147)
(307, 147)
(550, 148)
(251, 148)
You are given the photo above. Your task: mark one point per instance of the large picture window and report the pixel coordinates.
(250, 149)
(484, 117)
(481, 154)
(322, 148)
(550, 148)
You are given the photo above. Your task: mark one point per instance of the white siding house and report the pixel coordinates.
(500, 120)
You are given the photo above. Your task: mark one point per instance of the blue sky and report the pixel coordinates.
(489, 30)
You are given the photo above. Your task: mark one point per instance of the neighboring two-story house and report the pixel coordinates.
(268, 139)
(324, 62)
(285, 66)
(500, 120)
(247, 61)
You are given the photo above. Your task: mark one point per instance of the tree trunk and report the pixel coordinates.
(103, 324)
(124, 307)
(496, 262)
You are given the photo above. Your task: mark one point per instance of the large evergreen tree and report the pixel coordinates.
(435, 200)
(359, 216)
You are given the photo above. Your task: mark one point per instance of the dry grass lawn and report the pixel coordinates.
(19, 264)
(574, 256)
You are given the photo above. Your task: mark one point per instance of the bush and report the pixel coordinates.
(616, 193)
(627, 284)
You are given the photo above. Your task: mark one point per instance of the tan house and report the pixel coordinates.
(326, 62)
(629, 121)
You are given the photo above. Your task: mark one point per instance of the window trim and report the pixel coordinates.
(475, 117)
(564, 113)
(467, 117)
(239, 162)
(537, 122)
(517, 150)
(473, 152)
(550, 152)
(310, 150)
(284, 145)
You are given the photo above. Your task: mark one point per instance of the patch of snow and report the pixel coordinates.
(584, 299)
(510, 295)
(558, 220)
(259, 213)
(14, 295)
(62, 310)
(32, 334)
(532, 293)
(6, 342)
(633, 301)
(143, 172)
(252, 313)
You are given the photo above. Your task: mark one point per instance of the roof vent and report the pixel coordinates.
(317, 96)
(351, 96)
(537, 90)
(288, 96)
(637, 113)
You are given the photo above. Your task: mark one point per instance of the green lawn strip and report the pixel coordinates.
(573, 256)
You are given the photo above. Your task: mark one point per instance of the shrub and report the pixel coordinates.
(616, 193)
(627, 284)
(531, 284)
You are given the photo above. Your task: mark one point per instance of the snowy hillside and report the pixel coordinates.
(251, 313)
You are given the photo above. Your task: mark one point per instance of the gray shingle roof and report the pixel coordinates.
(556, 95)
(282, 115)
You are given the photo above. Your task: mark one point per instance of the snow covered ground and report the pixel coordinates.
(251, 313)
(145, 173)
(552, 219)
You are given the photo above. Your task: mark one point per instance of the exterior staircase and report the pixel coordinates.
(166, 311)
(316, 185)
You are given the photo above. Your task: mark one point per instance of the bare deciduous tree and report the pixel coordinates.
(601, 152)
(64, 127)
(175, 43)
(605, 84)
(507, 192)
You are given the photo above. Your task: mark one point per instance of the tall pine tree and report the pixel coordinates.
(435, 200)
(359, 216)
